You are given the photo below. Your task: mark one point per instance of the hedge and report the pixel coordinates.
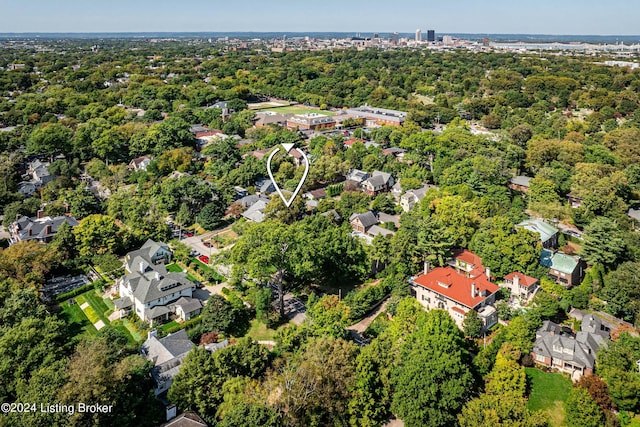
(361, 301)
(81, 290)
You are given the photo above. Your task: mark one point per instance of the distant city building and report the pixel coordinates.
(447, 40)
(418, 35)
(431, 36)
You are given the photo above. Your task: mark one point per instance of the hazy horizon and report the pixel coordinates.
(544, 17)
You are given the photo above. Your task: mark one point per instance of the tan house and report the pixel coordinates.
(521, 285)
(465, 284)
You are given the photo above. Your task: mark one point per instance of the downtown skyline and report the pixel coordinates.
(617, 17)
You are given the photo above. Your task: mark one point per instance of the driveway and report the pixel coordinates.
(294, 309)
(206, 292)
(197, 242)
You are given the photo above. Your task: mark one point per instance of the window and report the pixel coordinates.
(539, 358)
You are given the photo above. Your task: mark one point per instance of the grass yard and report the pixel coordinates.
(174, 267)
(166, 326)
(297, 109)
(549, 391)
(77, 321)
(259, 332)
(132, 330)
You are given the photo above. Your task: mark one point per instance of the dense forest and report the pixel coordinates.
(89, 107)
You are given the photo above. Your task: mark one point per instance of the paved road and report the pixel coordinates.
(362, 325)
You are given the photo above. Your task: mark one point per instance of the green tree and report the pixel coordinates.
(211, 215)
(621, 290)
(581, 410)
(433, 381)
(472, 325)
(328, 316)
(49, 139)
(98, 234)
(434, 241)
(221, 316)
(602, 243)
(616, 364)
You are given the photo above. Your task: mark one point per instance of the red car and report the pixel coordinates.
(204, 259)
(188, 234)
(207, 244)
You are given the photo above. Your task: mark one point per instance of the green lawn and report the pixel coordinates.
(174, 267)
(166, 326)
(259, 332)
(132, 331)
(217, 276)
(549, 391)
(297, 109)
(77, 322)
(177, 269)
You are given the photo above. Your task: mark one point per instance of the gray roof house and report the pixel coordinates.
(39, 173)
(255, 212)
(378, 182)
(411, 198)
(248, 201)
(575, 353)
(365, 225)
(166, 354)
(40, 229)
(357, 175)
(265, 186)
(548, 233)
(148, 289)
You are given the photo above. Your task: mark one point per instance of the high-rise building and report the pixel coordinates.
(431, 35)
(394, 38)
(418, 35)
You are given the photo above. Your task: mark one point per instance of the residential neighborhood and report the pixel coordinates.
(318, 229)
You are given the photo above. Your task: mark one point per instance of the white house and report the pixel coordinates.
(148, 289)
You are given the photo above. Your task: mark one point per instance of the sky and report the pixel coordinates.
(566, 17)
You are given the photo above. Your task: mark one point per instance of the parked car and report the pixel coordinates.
(204, 259)
(207, 244)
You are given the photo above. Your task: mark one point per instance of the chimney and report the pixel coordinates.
(426, 267)
(30, 232)
(516, 280)
(48, 229)
(488, 273)
(141, 267)
(157, 275)
(473, 289)
(152, 333)
(40, 214)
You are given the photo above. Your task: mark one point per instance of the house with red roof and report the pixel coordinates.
(461, 286)
(521, 285)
